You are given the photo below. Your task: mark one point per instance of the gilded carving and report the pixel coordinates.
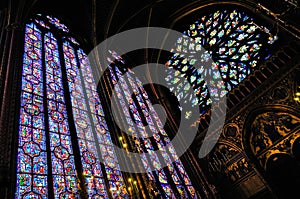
(231, 134)
(269, 128)
(282, 147)
(220, 157)
(280, 93)
(238, 169)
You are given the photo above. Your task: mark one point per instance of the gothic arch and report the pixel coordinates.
(227, 165)
(18, 13)
(267, 116)
(271, 135)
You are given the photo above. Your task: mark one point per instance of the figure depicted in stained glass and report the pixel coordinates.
(54, 65)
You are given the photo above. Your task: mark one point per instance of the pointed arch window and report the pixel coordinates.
(60, 131)
(232, 39)
(171, 181)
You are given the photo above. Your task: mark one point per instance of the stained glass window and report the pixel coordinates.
(136, 105)
(56, 82)
(235, 43)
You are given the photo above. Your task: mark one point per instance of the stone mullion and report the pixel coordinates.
(11, 80)
(3, 21)
(12, 46)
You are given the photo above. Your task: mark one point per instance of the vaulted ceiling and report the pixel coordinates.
(95, 20)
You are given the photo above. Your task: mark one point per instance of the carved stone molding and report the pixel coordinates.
(15, 26)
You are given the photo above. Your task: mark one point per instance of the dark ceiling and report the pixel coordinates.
(95, 20)
(101, 18)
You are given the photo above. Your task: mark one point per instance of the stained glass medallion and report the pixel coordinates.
(57, 80)
(48, 161)
(232, 39)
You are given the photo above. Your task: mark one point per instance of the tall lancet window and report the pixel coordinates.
(237, 44)
(60, 131)
(172, 181)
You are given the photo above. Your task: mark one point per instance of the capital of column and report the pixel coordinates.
(14, 26)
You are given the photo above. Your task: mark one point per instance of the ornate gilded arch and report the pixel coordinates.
(271, 130)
